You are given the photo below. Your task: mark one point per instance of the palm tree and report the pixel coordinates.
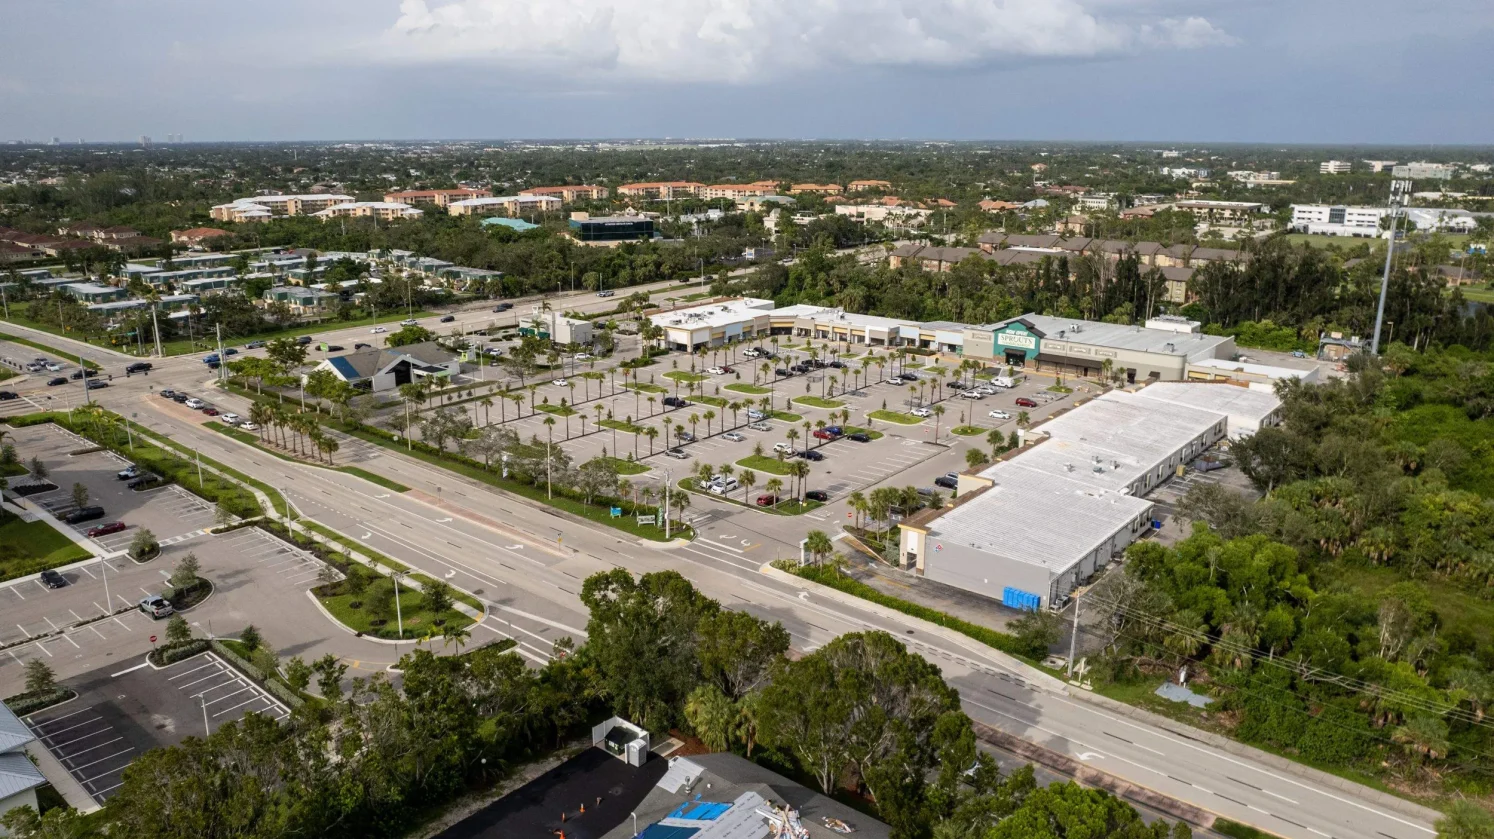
(330, 446)
(455, 634)
(599, 410)
(652, 434)
(801, 471)
(748, 479)
(818, 545)
(938, 412)
(652, 400)
(550, 431)
(635, 437)
(261, 415)
(694, 420)
(766, 369)
(791, 435)
(708, 416)
(487, 409)
(773, 487)
(1023, 419)
(857, 502)
(518, 400)
(734, 407)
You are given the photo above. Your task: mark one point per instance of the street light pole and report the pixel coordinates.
(104, 572)
(667, 484)
(1398, 191)
(398, 614)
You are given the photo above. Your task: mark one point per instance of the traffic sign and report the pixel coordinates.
(152, 639)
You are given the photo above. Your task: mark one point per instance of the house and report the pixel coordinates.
(115, 233)
(993, 206)
(10, 252)
(19, 777)
(865, 186)
(133, 244)
(80, 230)
(196, 236)
(379, 370)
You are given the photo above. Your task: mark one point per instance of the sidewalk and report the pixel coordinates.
(61, 780)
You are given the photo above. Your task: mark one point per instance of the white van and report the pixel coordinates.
(1003, 381)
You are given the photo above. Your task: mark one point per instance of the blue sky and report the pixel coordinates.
(1284, 71)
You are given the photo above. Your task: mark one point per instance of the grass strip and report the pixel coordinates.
(763, 463)
(33, 547)
(816, 402)
(784, 507)
(754, 390)
(625, 467)
(253, 440)
(895, 416)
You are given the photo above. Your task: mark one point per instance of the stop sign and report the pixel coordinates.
(152, 639)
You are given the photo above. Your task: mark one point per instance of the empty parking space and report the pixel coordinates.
(119, 716)
(291, 567)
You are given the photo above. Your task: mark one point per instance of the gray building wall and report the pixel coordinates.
(982, 572)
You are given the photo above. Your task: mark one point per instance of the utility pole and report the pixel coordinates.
(83, 369)
(398, 614)
(1074, 638)
(1399, 189)
(667, 485)
(223, 361)
(156, 327)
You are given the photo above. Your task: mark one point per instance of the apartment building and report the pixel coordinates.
(814, 189)
(1378, 166)
(757, 189)
(1233, 211)
(568, 194)
(866, 186)
(264, 207)
(662, 190)
(1337, 220)
(512, 206)
(434, 197)
(381, 210)
(1335, 167)
(196, 236)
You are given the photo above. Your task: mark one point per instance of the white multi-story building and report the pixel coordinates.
(1378, 166)
(1247, 176)
(1335, 167)
(1422, 169)
(1339, 220)
(1184, 172)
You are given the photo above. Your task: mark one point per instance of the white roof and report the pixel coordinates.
(1268, 370)
(285, 199)
(372, 205)
(714, 314)
(1247, 408)
(828, 314)
(1123, 337)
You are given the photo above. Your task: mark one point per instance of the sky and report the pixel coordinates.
(1268, 71)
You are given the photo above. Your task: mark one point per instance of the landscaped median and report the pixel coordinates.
(786, 507)
(763, 463)
(817, 402)
(252, 440)
(752, 390)
(896, 417)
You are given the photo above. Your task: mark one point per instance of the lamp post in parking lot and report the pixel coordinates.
(207, 729)
(398, 615)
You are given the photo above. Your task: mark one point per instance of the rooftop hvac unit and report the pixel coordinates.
(1099, 468)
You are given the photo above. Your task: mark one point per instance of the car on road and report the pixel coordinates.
(60, 380)
(766, 500)
(94, 384)
(156, 606)
(335, 348)
(811, 454)
(998, 414)
(363, 346)
(1024, 402)
(817, 495)
(180, 398)
(210, 411)
(859, 437)
(921, 412)
(503, 307)
(231, 418)
(676, 453)
(783, 447)
(949, 480)
(52, 579)
(211, 359)
(448, 318)
(131, 471)
(83, 514)
(303, 340)
(6, 395)
(254, 345)
(760, 426)
(194, 403)
(250, 426)
(409, 322)
(54, 367)
(378, 330)
(83, 373)
(605, 293)
(106, 529)
(230, 351)
(734, 436)
(138, 367)
(716, 371)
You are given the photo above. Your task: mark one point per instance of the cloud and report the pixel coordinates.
(756, 40)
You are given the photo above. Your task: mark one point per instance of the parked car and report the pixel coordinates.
(1001, 415)
(859, 437)
(835, 429)
(760, 426)
(949, 480)
(685, 437)
(755, 414)
(783, 372)
(972, 394)
(675, 402)
(677, 454)
(141, 481)
(54, 367)
(716, 371)
(254, 345)
(783, 447)
(131, 471)
(334, 348)
(895, 380)
(95, 384)
(811, 454)
(720, 487)
(106, 529)
(180, 398)
(194, 403)
(560, 383)
(83, 514)
(448, 318)
(767, 500)
(751, 352)
(921, 412)
(824, 434)
(52, 579)
(210, 411)
(734, 436)
(6, 395)
(817, 495)
(250, 426)
(727, 370)
(231, 418)
(60, 380)
(303, 340)
(168, 393)
(1024, 402)
(909, 377)
(378, 330)
(156, 606)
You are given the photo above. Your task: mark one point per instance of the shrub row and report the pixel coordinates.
(172, 653)
(271, 681)
(29, 703)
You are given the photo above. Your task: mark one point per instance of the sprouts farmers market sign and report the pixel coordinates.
(1017, 339)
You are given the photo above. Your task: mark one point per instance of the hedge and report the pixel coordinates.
(28, 703)
(828, 576)
(172, 653)
(270, 681)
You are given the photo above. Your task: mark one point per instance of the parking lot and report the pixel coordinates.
(121, 715)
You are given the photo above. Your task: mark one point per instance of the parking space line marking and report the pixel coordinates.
(70, 640)
(110, 789)
(130, 670)
(179, 675)
(240, 705)
(228, 696)
(63, 717)
(79, 739)
(122, 623)
(111, 771)
(39, 645)
(91, 748)
(212, 675)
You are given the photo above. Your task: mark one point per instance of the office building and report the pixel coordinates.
(1423, 171)
(383, 370)
(585, 228)
(1335, 167)
(1378, 166)
(1337, 220)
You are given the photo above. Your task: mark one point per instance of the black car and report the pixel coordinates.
(783, 373)
(179, 397)
(83, 514)
(230, 351)
(142, 481)
(57, 381)
(138, 367)
(360, 347)
(800, 368)
(448, 318)
(685, 437)
(6, 396)
(817, 495)
(334, 348)
(947, 481)
(859, 437)
(303, 340)
(503, 307)
(908, 376)
(956, 384)
(838, 364)
(95, 384)
(83, 373)
(52, 579)
(811, 454)
(675, 402)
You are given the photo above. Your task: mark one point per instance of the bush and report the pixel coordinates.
(30, 703)
(172, 653)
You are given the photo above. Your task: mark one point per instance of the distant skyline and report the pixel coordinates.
(1369, 72)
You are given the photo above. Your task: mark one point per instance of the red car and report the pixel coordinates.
(212, 412)
(1024, 402)
(825, 434)
(106, 529)
(767, 500)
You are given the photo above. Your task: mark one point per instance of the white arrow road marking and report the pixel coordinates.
(727, 536)
(442, 521)
(368, 535)
(451, 573)
(514, 547)
(1089, 755)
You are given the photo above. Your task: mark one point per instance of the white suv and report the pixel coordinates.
(194, 403)
(231, 419)
(921, 412)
